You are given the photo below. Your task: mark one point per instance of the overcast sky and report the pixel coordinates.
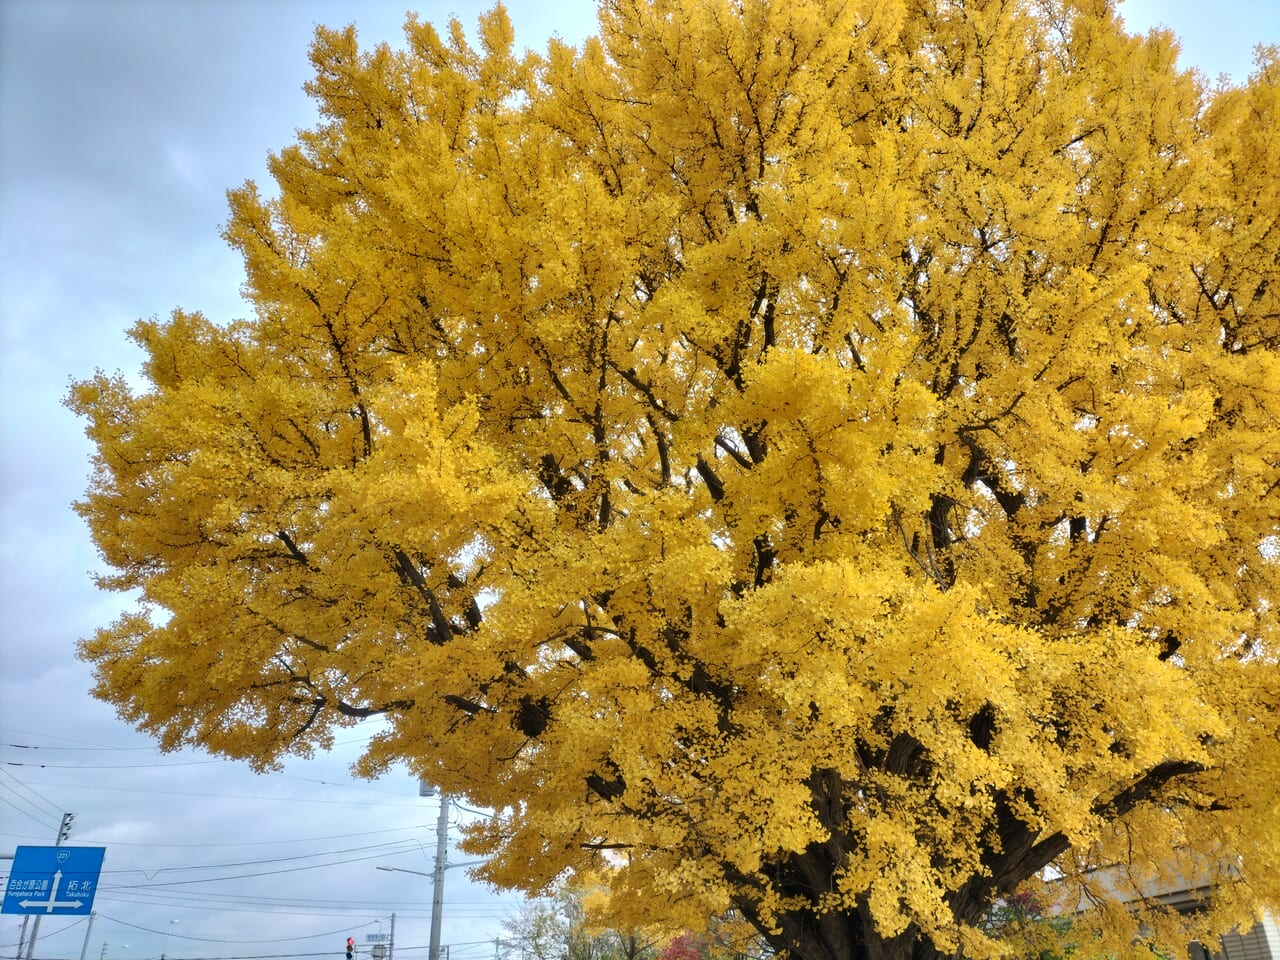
(122, 124)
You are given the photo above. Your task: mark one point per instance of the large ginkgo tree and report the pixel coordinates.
(815, 459)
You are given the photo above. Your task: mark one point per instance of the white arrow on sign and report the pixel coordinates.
(53, 902)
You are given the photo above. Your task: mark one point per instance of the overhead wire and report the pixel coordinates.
(300, 908)
(29, 816)
(243, 876)
(397, 846)
(51, 746)
(195, 939)
(9, 731)
(53, 808)
(118, 766)
(263, 843)
(328, 954)
(225, 796)
(88, 745)
(474, 910)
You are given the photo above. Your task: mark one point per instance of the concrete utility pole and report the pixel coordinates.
(437, 878)
(437, 874)
(165, 951)
(93, 914)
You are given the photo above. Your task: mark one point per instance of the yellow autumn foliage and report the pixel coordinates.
(818, 459)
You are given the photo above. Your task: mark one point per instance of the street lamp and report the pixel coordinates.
(437, 875)
(123, 948)
(437, 896)
(447, 866)
(166, 939)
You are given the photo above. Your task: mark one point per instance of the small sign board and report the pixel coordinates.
(53, 880)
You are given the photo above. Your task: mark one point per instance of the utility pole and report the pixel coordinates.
(437, 879)
(164, 952)
(93, 914)
(391, 944)
(64, 831)
(437, 874)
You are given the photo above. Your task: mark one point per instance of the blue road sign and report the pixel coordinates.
(57, 880)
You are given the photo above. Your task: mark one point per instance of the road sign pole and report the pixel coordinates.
(35, 931)
(58, 880)
(64, 831)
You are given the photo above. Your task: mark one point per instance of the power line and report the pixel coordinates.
(328, 954)
(53, 809)
(118, 766)
(317, 909)
(83, 787)
(243, 876)
(399, 846)
(265, 843)
(150, 748)
(187, 937)
(52, 736)
(90, 746)
(49, 746)
(480, 813)
(29, 816)
(231, 903)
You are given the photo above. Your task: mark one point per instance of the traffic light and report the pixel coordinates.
(64, 831)
(351, 947)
